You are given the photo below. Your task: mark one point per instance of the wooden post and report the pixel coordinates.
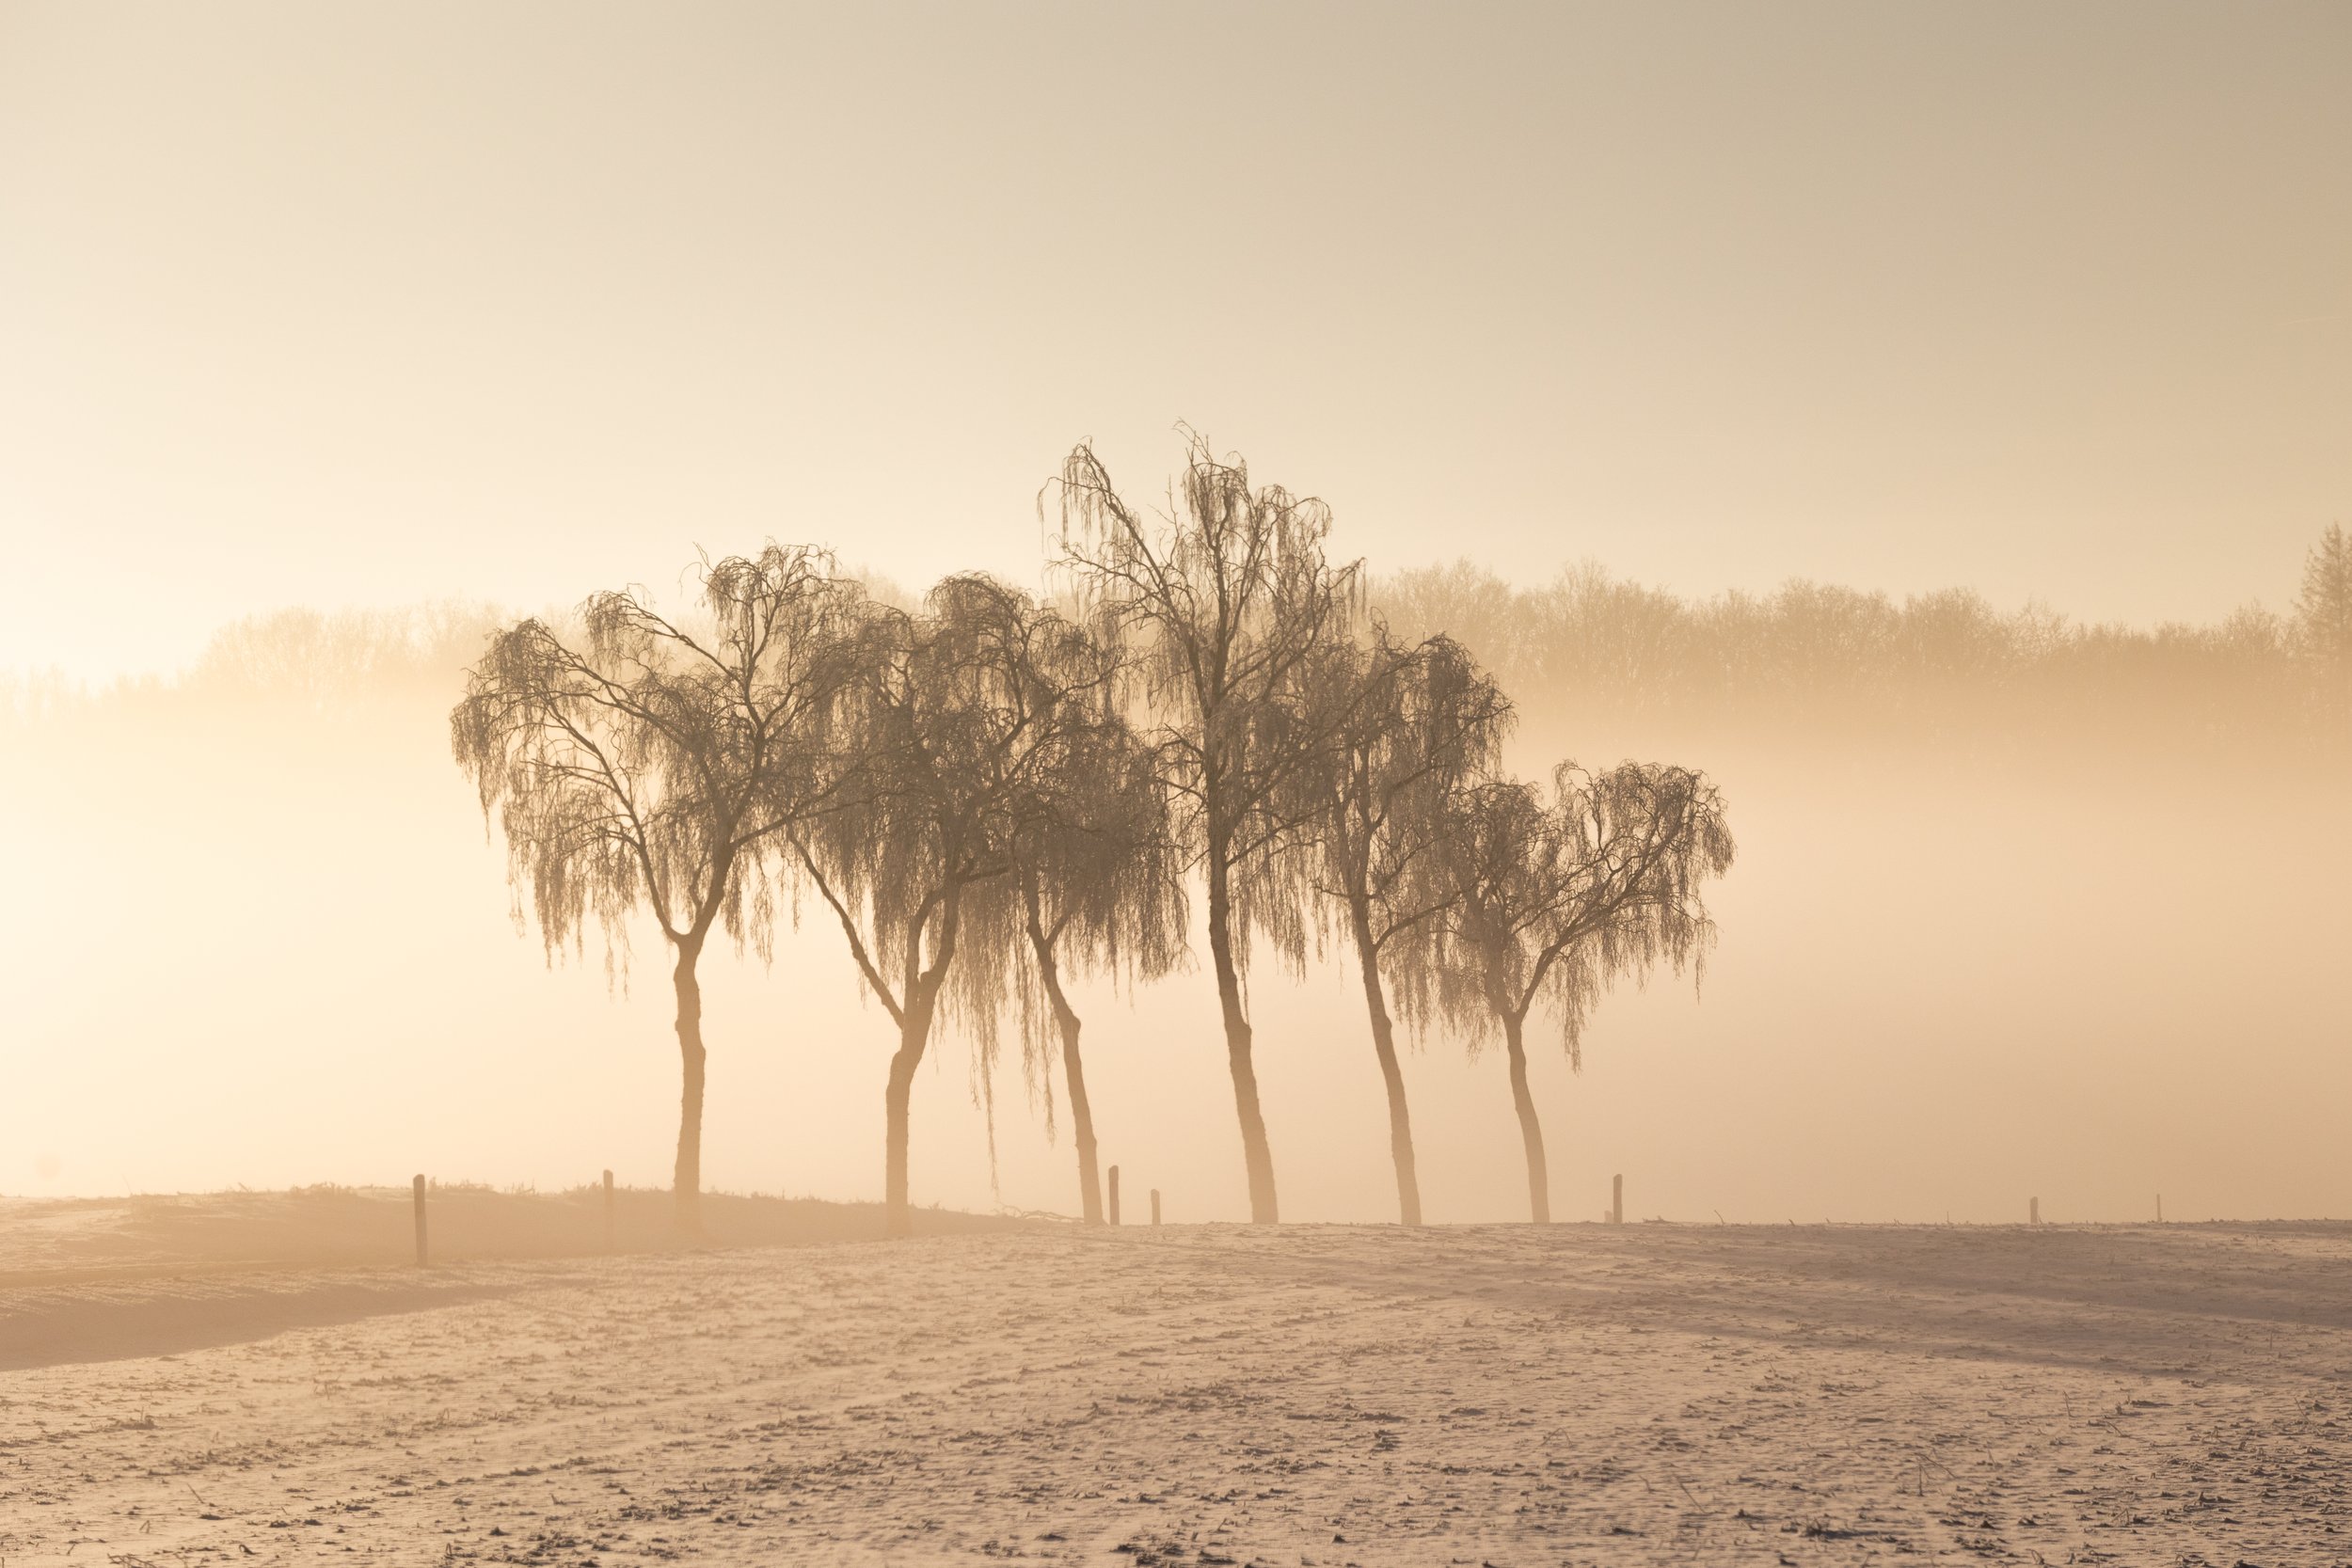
(415, 1190)
(2159, 1208)
(2033, 1210)
(1155, 1206)
(1617, 1200)
(608, 1210)
(1114, 1194)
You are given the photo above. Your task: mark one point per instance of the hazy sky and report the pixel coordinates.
(364, 304)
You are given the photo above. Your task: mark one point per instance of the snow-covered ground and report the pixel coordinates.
(1324, 1395)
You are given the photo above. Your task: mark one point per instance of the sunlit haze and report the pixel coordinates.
(371, 308)
(367, 305)
(1175, 782)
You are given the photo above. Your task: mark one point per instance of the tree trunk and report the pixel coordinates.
(1081, 1120)
(687, 1181)
(1530, 1130)
(1384, 1047)
(914, 1034)
(1081, 1109)
(1256, 1154)
(1073, 1065)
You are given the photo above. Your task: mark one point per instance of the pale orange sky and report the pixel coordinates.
(367, 304)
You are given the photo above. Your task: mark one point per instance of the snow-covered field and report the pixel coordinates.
(1202, 1395)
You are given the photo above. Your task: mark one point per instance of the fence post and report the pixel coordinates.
(608, 1210)
(1114, 1194)
(1617, 1200)
(415, 1190)
(2033, 1210)
(1155, 1206)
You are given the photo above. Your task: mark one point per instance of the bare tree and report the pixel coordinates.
(1411, 726)
(1224, 603)
(966, 715)
(1554, 900)
(656, 764)
(1098, 876)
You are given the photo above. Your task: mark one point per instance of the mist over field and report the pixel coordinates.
(1175, 786)
(2022, 909)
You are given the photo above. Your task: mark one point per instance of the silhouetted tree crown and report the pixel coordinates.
(1410, 726)
(1555, 898)
(1222, 607)
(642, 767)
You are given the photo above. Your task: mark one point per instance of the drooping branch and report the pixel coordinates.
(1557, 899)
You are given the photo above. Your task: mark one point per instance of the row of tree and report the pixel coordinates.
(992, 795)
(1816, 653)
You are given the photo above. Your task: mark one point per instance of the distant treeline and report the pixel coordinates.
(310, 659)
(1813, 652)
(1597, 645)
